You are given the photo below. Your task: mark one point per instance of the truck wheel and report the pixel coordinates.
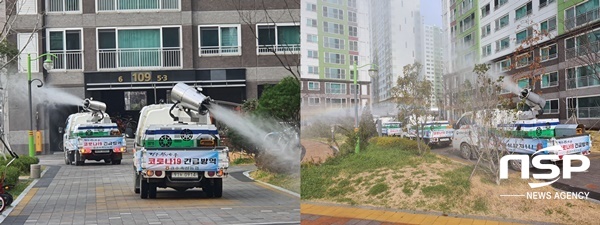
(217, 188)
(107, 161)
(515, 164)
(143, 189)
(117, 161)
(136, 182)
(67, 159)
(78, 160)
(465, 151)
(207, 187)
(152, 190)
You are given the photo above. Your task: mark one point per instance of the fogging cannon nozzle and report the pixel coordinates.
(94, 105)
(191, 98)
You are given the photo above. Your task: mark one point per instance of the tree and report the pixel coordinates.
(413, 97)
(282, 101)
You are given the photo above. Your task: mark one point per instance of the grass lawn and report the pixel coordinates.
(289, 182)
(396, 177)
(19, 188)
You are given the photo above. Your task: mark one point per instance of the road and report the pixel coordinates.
(98, 193)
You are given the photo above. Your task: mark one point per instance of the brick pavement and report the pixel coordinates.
(99, 193)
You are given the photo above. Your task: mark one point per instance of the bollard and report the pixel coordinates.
(35, 171)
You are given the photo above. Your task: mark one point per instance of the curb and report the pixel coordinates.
(247, 174)
(7, 212)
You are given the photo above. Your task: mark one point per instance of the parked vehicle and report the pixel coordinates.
(177, 146)
(391, 129)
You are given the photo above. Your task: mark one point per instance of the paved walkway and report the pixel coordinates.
(317, 214)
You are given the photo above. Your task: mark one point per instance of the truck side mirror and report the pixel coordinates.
(60, 130)
(455, 126)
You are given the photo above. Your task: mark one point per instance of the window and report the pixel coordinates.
(136, 5)
(353, 31)
(580, 77)
(499, 3)
(502, 22)
(335, 88)
(544, 3)
(334, 43)
(336, 2)
(586, 107)
(220, 40)
(583, 44)
(524, 60)
(548, 25)
(313, 54)
(486, 30)
(135, 48)
(135, 100)
(336, 102)
(468, 40)
(313, 101)
(312, 38)
(334, 28)
(333, 13)
(549, 52)
(313, 69)
(502, 44)
(486, 50)
(551, 106)
(28, 43)
(352, 3)
(311, 7)
(311, 22)
(503, 65)
(278, 38)
(353, 87)
(523, 11)
(335, 58)
(523, 83)
(351, 16)
(581, 14)
(26, 7)
(353, 45)
(64, 6)
(521, 36)
(467, 23)
(66, 45)
(485, 10)
(313, 86)
(550, 80)
(353, 59)
(335, 73)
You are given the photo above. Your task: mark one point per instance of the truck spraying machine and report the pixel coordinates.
(91, 135)
(177, 146)
(523, 132)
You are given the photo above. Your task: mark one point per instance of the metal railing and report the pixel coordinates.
(548, 57)
(117, 5)
(585, 81)
(550, 84)
(580, 50)
(582, 19)
(220, 50)
(63, 6)
(588, 112)
(551, 111)
(285, 49)
(139, 58)
(68, 60)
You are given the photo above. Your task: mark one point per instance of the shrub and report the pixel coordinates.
(22, 163)
(12, 174)
(399, 143)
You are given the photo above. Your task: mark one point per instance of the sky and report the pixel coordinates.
(432, 11)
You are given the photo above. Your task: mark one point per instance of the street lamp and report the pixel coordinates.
(372, 72)
(48, 65)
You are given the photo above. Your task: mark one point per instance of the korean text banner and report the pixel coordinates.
(181, 160)
(102, 143)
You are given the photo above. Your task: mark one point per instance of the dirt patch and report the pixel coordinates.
(316, 151)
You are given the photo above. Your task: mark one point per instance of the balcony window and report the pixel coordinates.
(351, 16)
(64, 6)
(550, 80)
(503, 65)
(335, 88)
(335, 73)
(585, 107)
(582, 14)
(335, 58)
(580, 77)
(353, 31)
(333, 13)
(220, 40)
(282, 39)
(139, 48)
(336, 102)
(502, 22)
(583, 45)
(136, 5)
(551, 106)
(313, 101)
(66, 45)
(334, 43)
(333, 28)
(547, 53)
(313, 86)
(548, 25)
(523, 11)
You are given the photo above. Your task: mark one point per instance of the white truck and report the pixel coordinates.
(177, 146)
(91, 135)
(438, 133)
(391, 129)
(521, 132)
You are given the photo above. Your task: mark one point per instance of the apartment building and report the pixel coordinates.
(433, 62)
(129, 53)
(568, 30)
(335, 38)
(395, 34)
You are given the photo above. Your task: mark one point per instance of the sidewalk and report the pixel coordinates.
(317, 213)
